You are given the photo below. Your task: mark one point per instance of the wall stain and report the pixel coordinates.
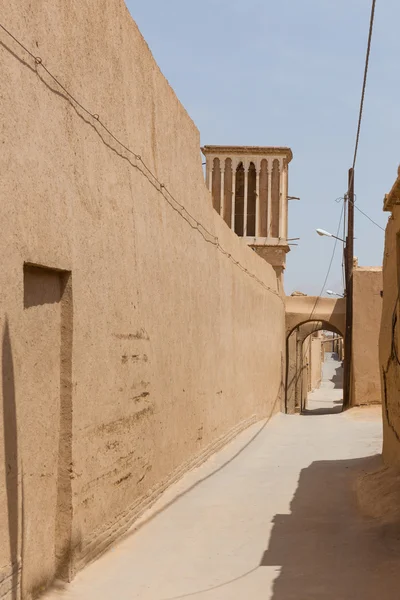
(141, 334)
(147, 470)
(122, 464)
(134, 358)
(122, 479)
(124, 423)
(87, 501)
(141, 384)
(140, 397)
(112, 445)
(135, 386)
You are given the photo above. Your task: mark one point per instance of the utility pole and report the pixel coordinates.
(349, 261)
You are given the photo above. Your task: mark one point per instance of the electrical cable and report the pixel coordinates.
(330, 264)
(360, 115)
(365, 215)
(361, 211)
(361, 109)
(159, 186)
(325, 281)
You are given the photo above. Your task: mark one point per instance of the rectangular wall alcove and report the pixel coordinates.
(48, 331)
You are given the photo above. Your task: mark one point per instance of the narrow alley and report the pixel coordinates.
(200, 364)
(271, 516)
(328, 398)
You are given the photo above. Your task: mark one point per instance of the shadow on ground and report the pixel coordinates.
(325, 549)
(322, 411)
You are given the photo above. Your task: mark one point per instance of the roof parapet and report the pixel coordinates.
(393, 197)
(252, 150)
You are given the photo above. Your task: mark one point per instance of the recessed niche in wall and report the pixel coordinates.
(47, 391)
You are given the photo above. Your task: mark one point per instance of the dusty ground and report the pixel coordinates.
(273, 516)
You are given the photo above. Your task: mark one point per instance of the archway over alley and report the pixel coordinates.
(305, 357)
(303, 309)
(305, 315)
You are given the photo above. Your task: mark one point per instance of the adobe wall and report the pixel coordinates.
(312, 365)
(292, 375)
(367, 310)
(305, 373)
(316, 361)
(389, 343)
(136, 352)
(304, 364)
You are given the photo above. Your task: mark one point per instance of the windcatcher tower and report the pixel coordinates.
(249, 189)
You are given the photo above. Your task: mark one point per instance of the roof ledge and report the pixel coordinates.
(249, 150)
(393, 197)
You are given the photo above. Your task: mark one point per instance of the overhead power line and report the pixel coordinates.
(360, 114)
(367, 216)
(349, 255)
(316, 326)
(329, 266)
(361, 211)
(159, 186)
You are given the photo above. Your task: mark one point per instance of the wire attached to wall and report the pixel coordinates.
(367, 216)
(361, 211)
(146, 171)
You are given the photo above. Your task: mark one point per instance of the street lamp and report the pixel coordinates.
(331, 293)
(327, 234)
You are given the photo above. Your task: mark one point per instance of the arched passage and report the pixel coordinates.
(297, 362)
(303, 309)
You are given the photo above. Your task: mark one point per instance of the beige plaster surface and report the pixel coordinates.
(315, 362)
(305, 371)
(367, 311)
(291, 373)
(140, 367)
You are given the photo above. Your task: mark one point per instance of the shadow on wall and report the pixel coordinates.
(10, 454)
(325, 549)
(337, 379)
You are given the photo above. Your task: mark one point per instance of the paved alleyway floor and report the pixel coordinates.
(273, 516)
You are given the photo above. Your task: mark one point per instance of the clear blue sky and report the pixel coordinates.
(289, 73)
